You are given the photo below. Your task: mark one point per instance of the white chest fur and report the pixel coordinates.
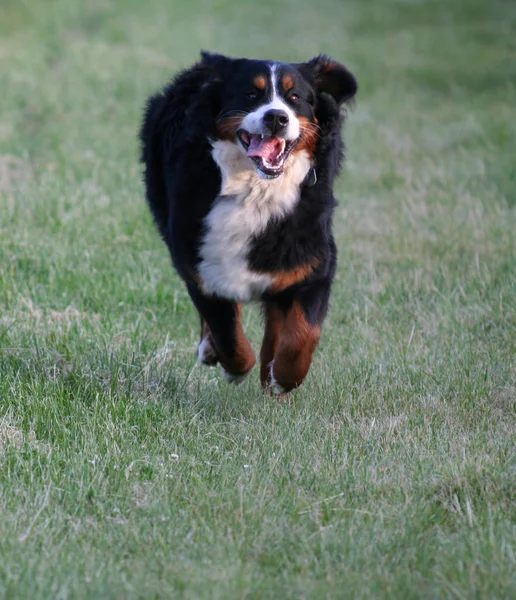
(244, 207)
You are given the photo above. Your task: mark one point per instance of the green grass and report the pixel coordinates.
(126, 470)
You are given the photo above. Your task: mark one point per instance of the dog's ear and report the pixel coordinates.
(330, 77)
(206, 103)
(218, 64)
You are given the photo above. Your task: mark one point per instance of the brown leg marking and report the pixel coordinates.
(297, 340)
(239, 363)
(206, 352)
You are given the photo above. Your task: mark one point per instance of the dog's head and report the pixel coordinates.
(269, 110)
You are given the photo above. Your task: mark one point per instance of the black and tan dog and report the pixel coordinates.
(240, 160)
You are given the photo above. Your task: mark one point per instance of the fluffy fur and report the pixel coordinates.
(240, 160)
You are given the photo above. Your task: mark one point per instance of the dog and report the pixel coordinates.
(240, 158)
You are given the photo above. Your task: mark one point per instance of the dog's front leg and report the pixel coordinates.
(222, 336)
(291, 336)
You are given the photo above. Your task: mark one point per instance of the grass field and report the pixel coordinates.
(126, 470)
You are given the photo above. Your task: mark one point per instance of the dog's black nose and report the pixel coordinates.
(276, 120)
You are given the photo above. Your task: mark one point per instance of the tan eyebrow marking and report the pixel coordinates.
(288, 82)
(260, 82)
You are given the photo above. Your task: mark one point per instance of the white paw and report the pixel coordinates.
(275, 386)
(235, 379)
(205, 352)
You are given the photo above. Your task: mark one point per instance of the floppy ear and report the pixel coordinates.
(331, 77)
(216, 63)
(205, 101)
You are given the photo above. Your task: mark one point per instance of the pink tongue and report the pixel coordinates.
(268, 148)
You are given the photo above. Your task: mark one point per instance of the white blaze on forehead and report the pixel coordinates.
(253, 123)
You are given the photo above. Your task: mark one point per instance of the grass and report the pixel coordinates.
(127, 471)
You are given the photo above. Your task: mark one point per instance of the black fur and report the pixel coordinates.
(183, 181)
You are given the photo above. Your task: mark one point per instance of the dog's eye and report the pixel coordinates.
(294, 97)
(252, 95)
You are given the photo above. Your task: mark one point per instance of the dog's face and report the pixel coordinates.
(269, 109)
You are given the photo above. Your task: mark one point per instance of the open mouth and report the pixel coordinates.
(267, 152)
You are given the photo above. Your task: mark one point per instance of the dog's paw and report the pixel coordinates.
(235, 379)
(206, 354)
(275, 387)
